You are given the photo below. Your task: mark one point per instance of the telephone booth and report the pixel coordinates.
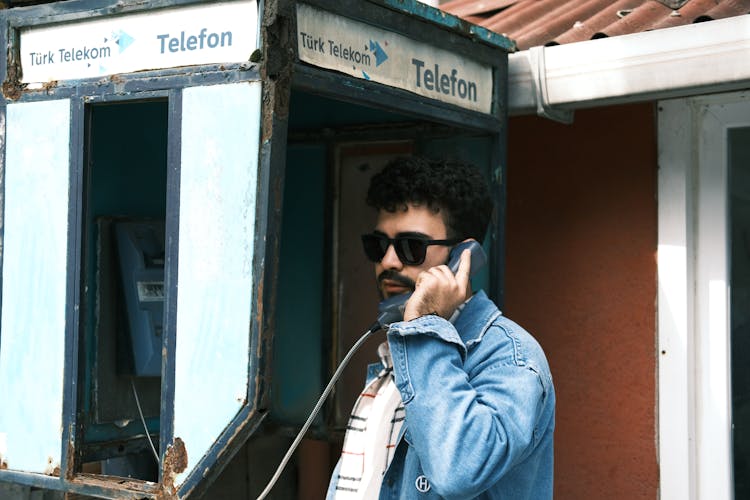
(182, 192)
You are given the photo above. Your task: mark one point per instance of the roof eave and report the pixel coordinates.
(674, 62)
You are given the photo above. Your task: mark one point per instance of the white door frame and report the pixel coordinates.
(695, 405)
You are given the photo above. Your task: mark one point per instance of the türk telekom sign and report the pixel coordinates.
(363, 51)
(158, 39)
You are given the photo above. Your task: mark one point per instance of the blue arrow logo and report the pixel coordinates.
(123, 40)
(380, 55)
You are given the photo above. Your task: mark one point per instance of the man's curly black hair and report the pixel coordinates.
(454, 188)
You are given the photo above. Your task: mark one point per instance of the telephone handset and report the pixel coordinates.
(391, 310)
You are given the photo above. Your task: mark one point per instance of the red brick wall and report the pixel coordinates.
(581, 276)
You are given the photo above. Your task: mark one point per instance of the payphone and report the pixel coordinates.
(183, 186)
(140, 248)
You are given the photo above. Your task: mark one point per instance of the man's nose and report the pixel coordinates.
(390, 259)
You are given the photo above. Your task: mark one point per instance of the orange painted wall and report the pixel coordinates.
(581, 276)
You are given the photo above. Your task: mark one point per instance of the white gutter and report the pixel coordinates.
(688, 60)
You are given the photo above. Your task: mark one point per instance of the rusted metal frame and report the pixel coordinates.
(193, 76)
(171, 267)
(84, 485)
(9, 65)
(271, 178)
(346, 88)
(277, 28)
(441, 36)
(147, 81)
(229, 443)
(70, 435)
(82, 383)
(127, 488)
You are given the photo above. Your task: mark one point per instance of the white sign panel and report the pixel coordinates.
(367, 52)
(201, 34)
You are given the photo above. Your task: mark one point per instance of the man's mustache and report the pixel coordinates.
(391, 275)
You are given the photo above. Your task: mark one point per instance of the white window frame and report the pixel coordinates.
(695, 405)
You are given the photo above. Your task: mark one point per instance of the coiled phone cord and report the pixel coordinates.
(373, 328)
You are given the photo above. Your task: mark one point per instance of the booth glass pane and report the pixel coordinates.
(215, 297)
(739, 175)
(34, 276)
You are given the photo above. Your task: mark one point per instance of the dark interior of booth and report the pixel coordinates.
(326, 287)
(122, 295)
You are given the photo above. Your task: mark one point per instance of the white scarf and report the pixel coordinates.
(371, 435)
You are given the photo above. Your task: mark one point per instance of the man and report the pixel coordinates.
(463, 405)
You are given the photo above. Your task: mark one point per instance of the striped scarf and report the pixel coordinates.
(371, 435)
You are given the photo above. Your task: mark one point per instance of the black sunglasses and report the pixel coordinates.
(411, 250)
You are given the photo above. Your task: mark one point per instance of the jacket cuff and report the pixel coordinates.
(430, 325)
(425, 338)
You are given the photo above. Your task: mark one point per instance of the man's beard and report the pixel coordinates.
(391, 275)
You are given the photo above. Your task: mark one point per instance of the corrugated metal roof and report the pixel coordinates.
(553, 22)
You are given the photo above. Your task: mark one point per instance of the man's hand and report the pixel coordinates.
(439, 291)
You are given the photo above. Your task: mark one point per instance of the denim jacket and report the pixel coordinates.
(480, 409)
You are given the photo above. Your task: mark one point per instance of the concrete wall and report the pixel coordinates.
(581, 276)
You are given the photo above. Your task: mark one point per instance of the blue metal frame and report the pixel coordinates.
(166, 413)
(127, 87)
(75, 219)
(91, 435)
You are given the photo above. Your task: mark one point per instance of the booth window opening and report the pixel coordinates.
(123, 294)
